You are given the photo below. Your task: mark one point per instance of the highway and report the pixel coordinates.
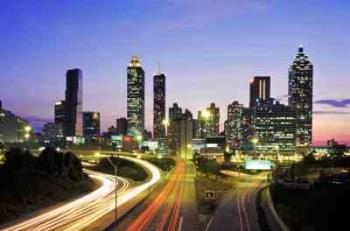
(84, 211)
(238, 209)
(173, 207)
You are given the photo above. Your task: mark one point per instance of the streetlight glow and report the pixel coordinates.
(206, 114)
(166, 122)
(27, 128)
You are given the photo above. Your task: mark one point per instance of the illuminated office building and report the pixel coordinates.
(159, 104)
(91, 124)
(275, 126)
(135, 97)
(300, 96)
(209, 121)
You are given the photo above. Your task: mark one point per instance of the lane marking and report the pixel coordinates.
(180, 224)
(209, 223)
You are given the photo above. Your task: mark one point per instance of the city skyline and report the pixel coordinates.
(104, 88)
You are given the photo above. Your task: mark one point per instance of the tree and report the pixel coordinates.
(73, 166)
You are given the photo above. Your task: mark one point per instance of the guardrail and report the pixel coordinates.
(271, 206)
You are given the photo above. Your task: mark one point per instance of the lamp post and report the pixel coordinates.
(166, 124)
(27, 129)
(255, 141)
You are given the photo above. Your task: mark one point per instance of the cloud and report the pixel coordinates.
(332, 112)
(337, 103)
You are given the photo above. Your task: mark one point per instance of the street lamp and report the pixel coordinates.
(255, 141)
(166, 124)
(27, 129)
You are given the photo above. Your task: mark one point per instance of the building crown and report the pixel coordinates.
(135, 61)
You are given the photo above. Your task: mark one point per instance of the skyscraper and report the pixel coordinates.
(60, 116)
(209, 121)
(91, 124)
(180, 131)
(122, 126)
(135, 97)
(175, 112)
(300, 90)
(233, 123)
(159, 105)
(238, 126)
(73, 125)
(259, 88)
(60, 112)
(274, 125)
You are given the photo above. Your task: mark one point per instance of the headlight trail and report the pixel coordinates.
(82, 212)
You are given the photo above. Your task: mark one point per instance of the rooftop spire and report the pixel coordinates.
(300, 49)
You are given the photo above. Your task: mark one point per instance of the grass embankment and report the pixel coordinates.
(321, 208)
(165, 164)
(29, 183)
(131, 170)
(215, 183)
(125, 167)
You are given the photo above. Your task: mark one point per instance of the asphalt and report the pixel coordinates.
(172, 207)
(237, 210)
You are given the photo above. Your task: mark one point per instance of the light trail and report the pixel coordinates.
(146, 217)
(82, 212)
(242, 202)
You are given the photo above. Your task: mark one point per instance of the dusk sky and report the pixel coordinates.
(209, 50)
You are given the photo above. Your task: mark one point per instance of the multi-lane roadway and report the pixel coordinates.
(238, 208)
(173, 207)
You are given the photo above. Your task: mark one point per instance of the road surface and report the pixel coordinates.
(238, 208)
(173, 207)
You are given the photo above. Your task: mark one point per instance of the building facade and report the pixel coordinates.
(259, 88)
(233, 123)
(73, 123)
(122, 126)
(175, 114)
(209, 121)
(135, 97)
(13, 129)
(275, 127)
(300, 90)
(159, 104)
(91, 124)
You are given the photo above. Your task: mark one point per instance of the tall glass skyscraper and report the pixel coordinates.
(136, 97)
(158, 105)
(300, 96)
(73, 125)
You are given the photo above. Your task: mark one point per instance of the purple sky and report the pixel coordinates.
(209, 50)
